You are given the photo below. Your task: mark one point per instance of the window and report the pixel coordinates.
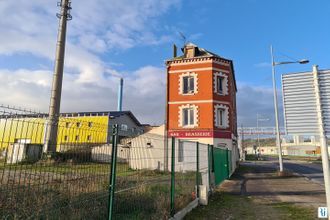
(67, 124)
(220, 81)
(66, 138)
(220, 117)
(188, 84)
(188, 117)
(90, 124)
(123, 127)
(180, 152)
(89, 137)
(77, 138)
(78, 124)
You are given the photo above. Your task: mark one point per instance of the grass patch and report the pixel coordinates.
(250, 157)
(76, 190)
(225, 206)
(293, 212)
(295, 157)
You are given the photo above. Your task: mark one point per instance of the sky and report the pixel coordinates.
(108, 39)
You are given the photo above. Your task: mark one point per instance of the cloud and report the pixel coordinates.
(144, 92)
(255, 99)
(98, 29)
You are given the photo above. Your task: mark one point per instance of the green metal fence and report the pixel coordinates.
(142, 189)
(71, 183)
(144, 177)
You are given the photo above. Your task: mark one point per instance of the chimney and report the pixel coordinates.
(174, 51)
(190, 50)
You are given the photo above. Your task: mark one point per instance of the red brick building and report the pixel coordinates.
(201, 98)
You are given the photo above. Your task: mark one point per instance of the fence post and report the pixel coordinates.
(113, 170)
(209, 159)
(212, 155)
(227, 155)
(197, 169)
(172, 211)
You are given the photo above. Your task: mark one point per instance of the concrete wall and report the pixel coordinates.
(147, 152)
(102, 153)
(19, 152)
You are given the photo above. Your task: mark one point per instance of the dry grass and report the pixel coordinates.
(80, 191)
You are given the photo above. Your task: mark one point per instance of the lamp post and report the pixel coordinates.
(278, 137)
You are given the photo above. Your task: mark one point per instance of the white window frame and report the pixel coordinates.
(224, 83)
(225, 109)
(195, 116)
(181, 83)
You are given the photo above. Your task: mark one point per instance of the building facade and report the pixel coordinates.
(73, 128)
(201, 98)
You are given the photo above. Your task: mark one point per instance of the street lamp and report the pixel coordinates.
(278, 137)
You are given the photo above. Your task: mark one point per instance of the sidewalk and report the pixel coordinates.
(256, 192)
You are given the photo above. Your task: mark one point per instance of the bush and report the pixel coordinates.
(81, 155)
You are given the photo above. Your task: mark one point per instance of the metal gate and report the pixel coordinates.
(222, 164)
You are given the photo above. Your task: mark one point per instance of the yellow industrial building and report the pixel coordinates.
(73, 128)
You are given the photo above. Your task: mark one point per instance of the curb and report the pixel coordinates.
(183, 212)
(306, 177)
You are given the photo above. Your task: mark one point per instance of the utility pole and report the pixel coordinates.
(55, 99)
(323, 138)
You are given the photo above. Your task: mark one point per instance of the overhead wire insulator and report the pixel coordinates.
(67, 11)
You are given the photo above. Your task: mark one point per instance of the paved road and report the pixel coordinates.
(310, 170)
